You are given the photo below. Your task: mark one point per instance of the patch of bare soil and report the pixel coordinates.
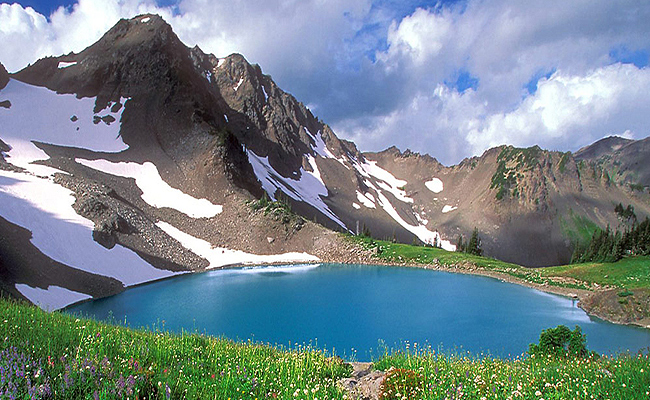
(364, 382)
(619, 306)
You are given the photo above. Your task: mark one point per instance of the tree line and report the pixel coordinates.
(610, 246)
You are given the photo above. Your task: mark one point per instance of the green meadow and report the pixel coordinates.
(628, 273)
(58, 356)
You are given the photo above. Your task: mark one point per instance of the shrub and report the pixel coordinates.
(560, 341)
(401, 384)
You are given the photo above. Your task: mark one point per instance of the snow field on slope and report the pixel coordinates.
(435, 185)
(155, 191)
(448, 208)
(39, 114)
(52, 298)
(420, 231)
(219, 256)
(366, 199)
(45, 208)
(383, 179)
(387, 181)
(321, 148)
(66, 64)
(309, 188)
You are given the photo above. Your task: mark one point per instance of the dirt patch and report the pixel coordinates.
(364, 382)
(619, 306)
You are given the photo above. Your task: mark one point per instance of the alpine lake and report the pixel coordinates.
(359, 311)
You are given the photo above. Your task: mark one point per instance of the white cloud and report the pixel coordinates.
(568, 111)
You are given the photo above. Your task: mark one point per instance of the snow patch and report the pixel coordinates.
(370, 185)
(421, 219)
(355, 205)
(384, 179)
(155, 191)
(220, 256)
(266, 96)
(225, 117)
(39, 114)
(321, 149)
(45, 208)
(208, 76)
(448, 208)
(420, 231)
(52, 298)
(309, 188)
(367, 200)
(145, 20)
(221, 62)
(241, 80)
(434, 185)
(66, 64)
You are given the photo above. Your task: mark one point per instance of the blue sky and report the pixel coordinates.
(448, 78)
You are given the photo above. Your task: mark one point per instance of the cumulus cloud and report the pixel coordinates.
(568, 111)
(506, 47)
(383, 73)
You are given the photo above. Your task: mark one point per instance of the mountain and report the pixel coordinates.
(140, 158)
(626, 159)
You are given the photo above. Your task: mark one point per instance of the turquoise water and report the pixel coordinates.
(349, 309)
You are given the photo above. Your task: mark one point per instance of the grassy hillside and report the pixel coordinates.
(628, 273)
(45, 356)
(58, 356)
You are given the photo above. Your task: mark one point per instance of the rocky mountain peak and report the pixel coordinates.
(603, 147)
(267, 120)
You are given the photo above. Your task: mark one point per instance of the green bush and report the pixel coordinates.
(401, 384)
(561, 342)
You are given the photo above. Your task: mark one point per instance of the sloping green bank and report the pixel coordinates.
(45, 356)
(58, 356)
(628, 273)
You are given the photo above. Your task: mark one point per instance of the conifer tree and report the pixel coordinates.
(474, 245)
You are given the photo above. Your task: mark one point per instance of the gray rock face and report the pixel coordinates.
(4, 76)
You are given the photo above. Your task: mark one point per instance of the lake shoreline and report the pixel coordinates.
(470, 269)
(365, 257)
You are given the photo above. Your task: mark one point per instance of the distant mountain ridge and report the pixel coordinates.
(160, 147)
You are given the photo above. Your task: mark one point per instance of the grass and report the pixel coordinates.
(408, 254)
(59, 356)
(434, 376)
(630, 272)
(578, 229)
(44, 356)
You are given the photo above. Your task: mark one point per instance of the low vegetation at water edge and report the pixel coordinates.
(632, 272)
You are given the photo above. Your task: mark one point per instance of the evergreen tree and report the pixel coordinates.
(474, 245)
(460, 244)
